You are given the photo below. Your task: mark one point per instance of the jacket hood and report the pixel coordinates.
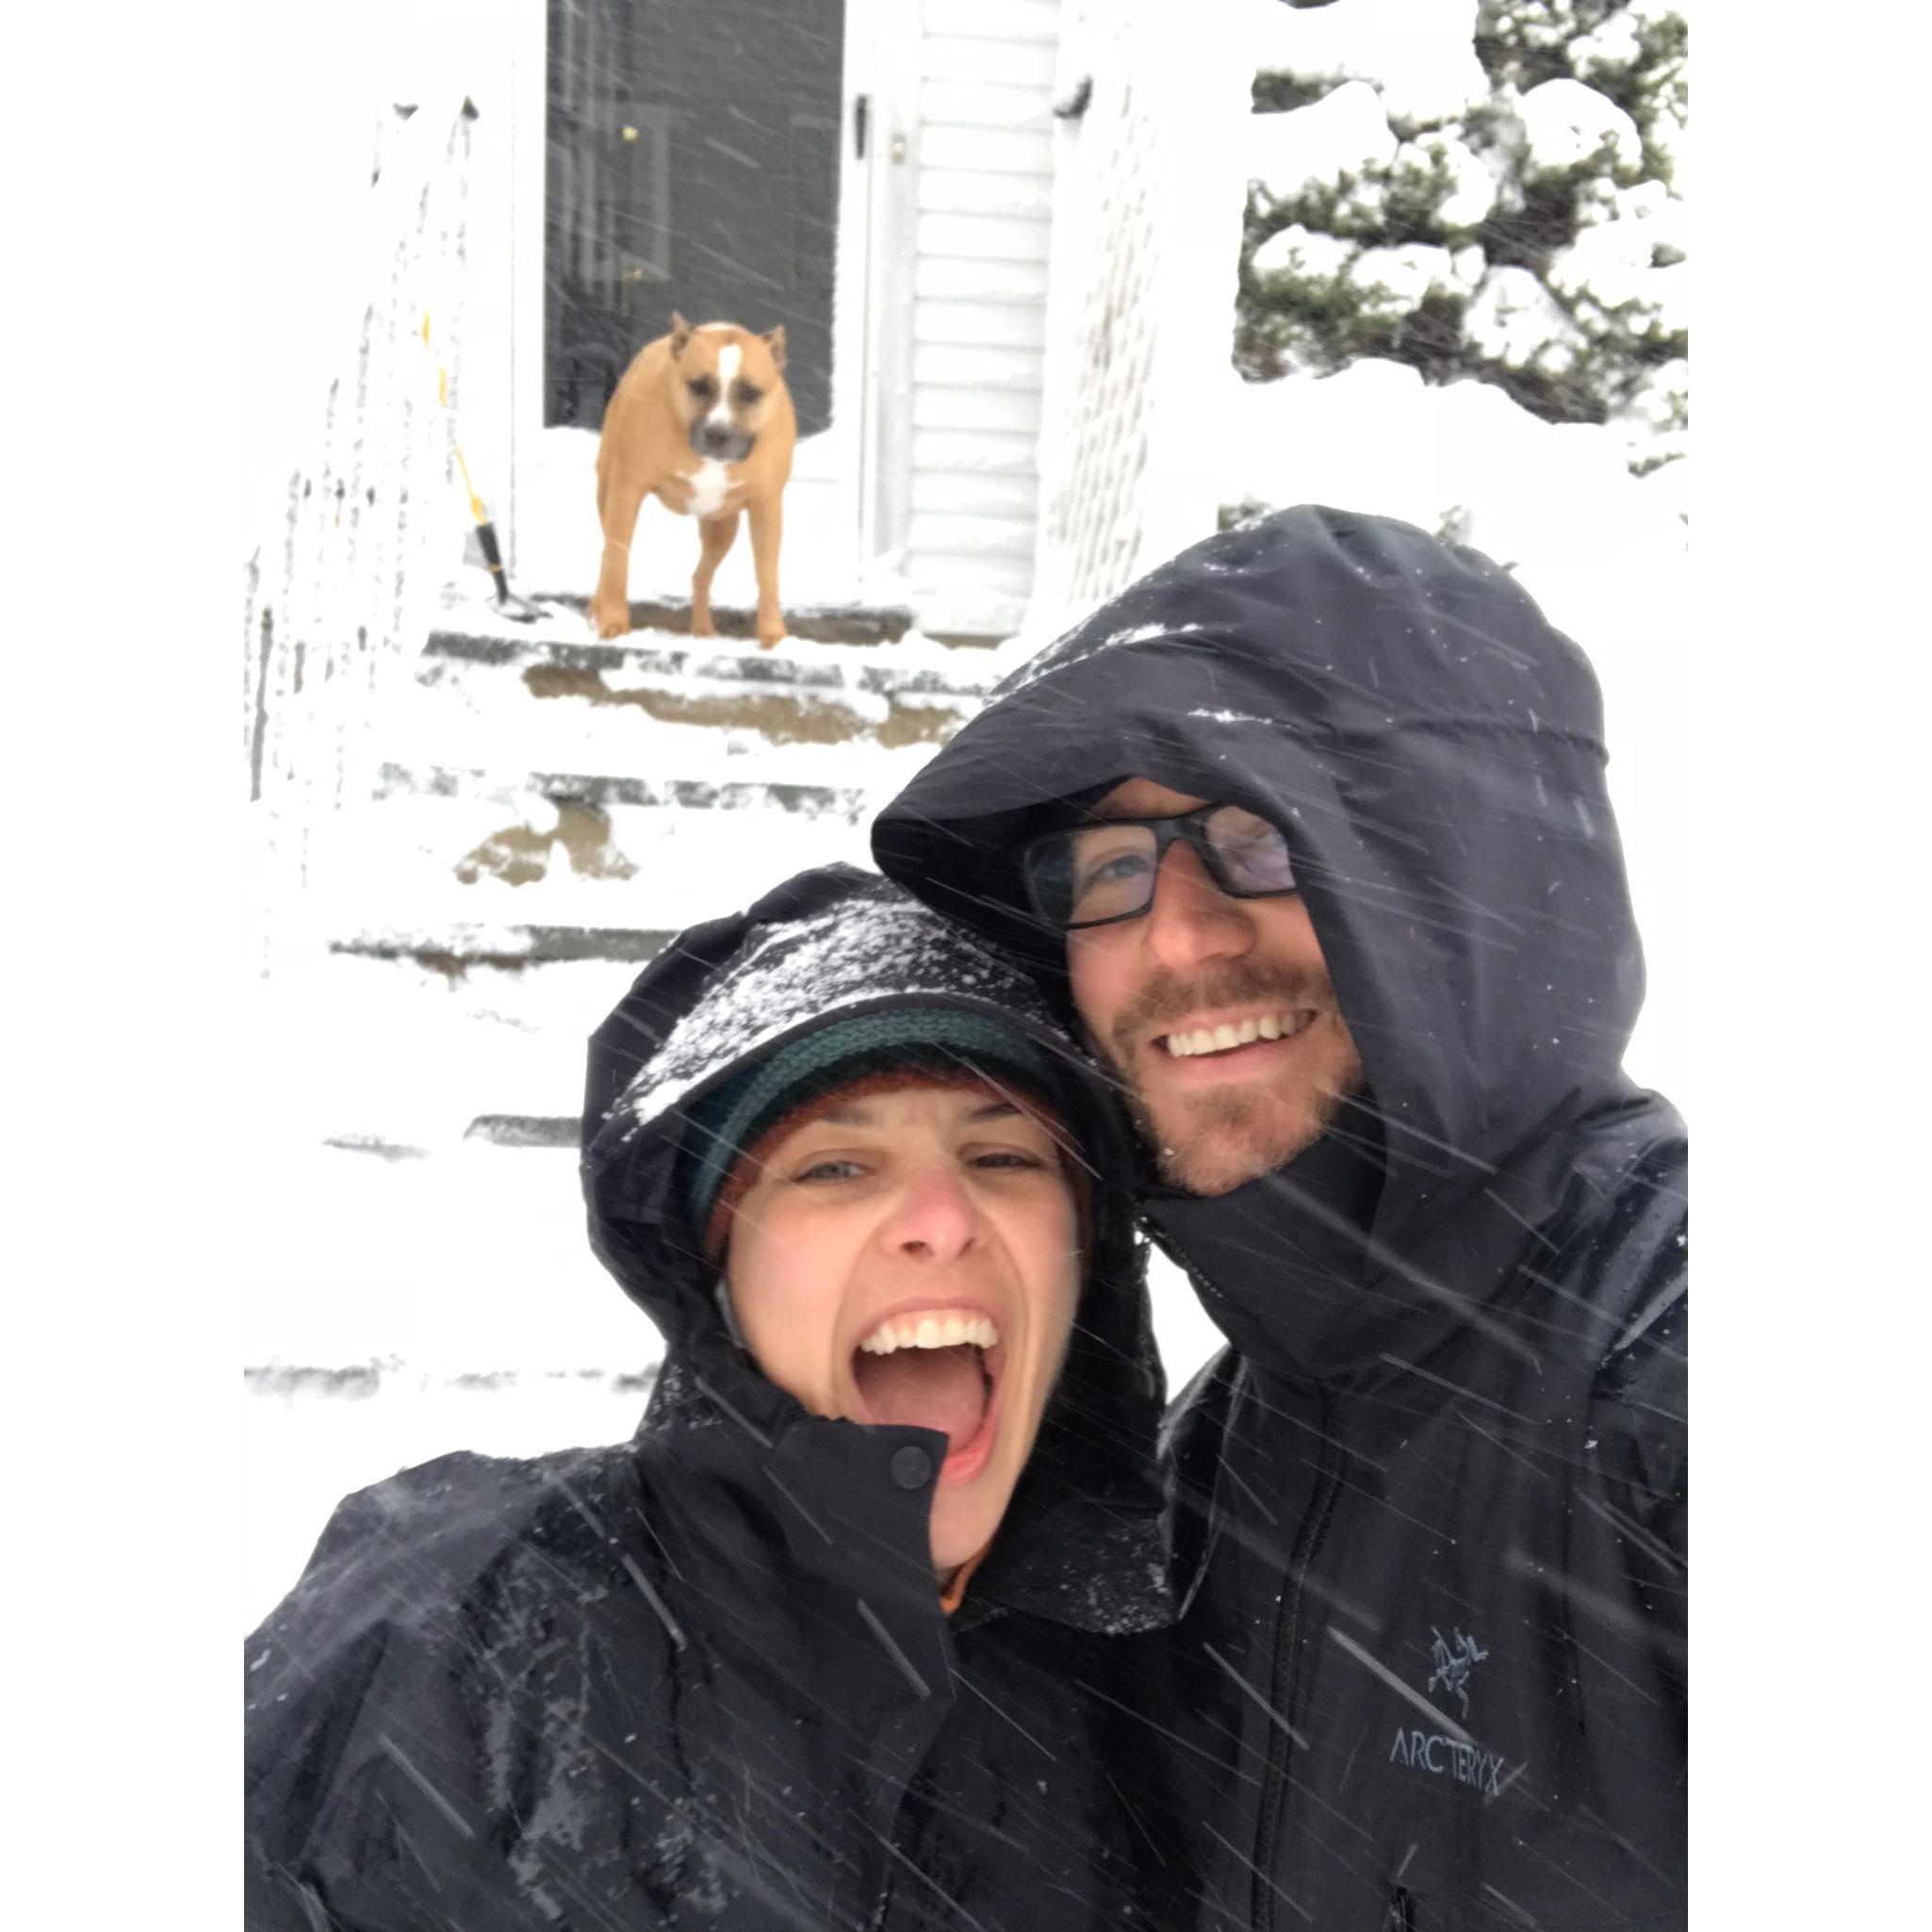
(1434, 749)
(1087, 1525)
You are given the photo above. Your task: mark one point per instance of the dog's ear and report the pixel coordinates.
(775, 341)
(680, 333)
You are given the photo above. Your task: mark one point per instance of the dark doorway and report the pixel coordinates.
(692, 154)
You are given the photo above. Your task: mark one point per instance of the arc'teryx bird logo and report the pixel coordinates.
(1451, 1666)
(1460, 1755)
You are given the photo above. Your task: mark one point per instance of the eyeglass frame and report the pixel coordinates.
(1189, 828)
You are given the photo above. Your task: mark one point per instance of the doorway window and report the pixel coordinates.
(693, 152)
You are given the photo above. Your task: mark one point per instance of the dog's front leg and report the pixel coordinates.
(767, 527)
(716, 535)
(619, 498)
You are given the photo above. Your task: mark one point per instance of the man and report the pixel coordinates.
(1310, 826)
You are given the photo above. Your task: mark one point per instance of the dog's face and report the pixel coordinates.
(723, 382)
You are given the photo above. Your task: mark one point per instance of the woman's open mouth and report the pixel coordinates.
(935, 1369)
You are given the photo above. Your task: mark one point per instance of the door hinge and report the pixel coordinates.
(861, 116)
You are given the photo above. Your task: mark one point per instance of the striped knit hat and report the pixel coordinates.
(879, 1052)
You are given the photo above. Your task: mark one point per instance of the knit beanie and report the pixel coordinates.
(879, 1052)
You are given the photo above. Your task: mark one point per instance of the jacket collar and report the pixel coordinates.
(1082, 1544)
(1329, 1271)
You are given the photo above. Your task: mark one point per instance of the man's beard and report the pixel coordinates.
(1216, 1140)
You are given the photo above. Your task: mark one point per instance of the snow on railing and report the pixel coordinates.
(340, 595)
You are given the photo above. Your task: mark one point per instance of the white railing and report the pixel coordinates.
(339, 597)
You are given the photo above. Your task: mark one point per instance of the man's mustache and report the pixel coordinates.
(1167, 997)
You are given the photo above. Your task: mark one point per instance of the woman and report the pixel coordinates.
(848, 1635)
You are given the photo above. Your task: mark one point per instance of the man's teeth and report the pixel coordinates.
(1219, 1039)
(937, 1331)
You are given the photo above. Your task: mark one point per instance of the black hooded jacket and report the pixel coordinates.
(703, 1678)
(1432, 1658)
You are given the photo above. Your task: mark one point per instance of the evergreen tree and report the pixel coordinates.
(1516, 217)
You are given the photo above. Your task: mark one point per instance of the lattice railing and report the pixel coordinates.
(340, 595)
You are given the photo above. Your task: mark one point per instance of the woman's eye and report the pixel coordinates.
(831, 1171)
(1006, 1158)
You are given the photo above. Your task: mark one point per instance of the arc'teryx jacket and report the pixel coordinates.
(703, 1678)
(1434, 1653)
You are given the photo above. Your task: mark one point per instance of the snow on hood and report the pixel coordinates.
(877, 945)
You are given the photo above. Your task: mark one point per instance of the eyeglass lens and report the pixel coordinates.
(1093, 873)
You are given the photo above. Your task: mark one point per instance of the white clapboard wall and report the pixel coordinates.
(985, 209)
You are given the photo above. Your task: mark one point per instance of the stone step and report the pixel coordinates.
(666, 710)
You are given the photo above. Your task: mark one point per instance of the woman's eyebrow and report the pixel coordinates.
(993, 1110)
(852, 1113)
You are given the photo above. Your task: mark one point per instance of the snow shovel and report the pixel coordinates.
(508, 604)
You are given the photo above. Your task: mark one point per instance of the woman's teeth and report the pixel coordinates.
(1219, 1039)
(931, 1331)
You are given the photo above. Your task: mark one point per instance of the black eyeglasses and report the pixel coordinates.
(1102, 871)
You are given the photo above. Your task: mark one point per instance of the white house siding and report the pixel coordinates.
(985, 210)
(1146, 238)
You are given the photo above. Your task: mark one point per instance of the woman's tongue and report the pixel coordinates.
(926, 1388)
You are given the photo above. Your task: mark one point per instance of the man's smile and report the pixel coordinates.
(1217, 1035)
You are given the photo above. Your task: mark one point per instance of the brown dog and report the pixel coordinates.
(703, 421)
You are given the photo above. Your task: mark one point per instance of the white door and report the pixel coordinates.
(729, 160)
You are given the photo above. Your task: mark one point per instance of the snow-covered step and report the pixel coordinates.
(533, 775)
(442, 849)
(808, 623)
(665, 710)
(397, 1057)
(458, 949)
(812, 798)
(834, 652)
(548, 810)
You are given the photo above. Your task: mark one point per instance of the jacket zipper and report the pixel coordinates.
(1284, 1671)
(1287, 1620)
